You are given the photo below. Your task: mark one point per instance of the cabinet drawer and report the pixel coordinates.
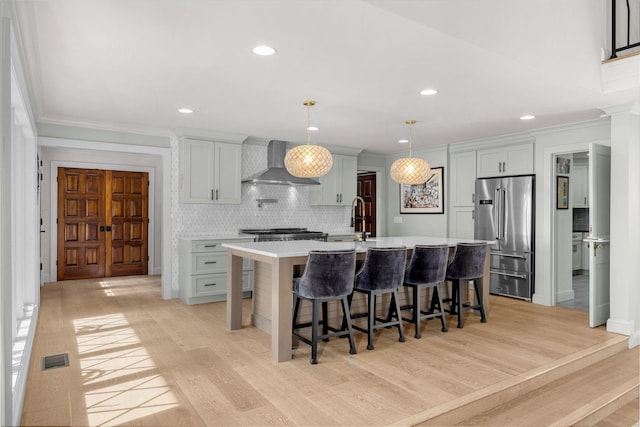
(209, 284)
(209, 262)
(207, 246)
(216, 284)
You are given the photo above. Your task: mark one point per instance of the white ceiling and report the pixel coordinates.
(130, 64)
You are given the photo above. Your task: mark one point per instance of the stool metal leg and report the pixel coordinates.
(460, 302)
(400, 327)
(314, 332)
(347, 320)
(416, 310)
(483, 319)
(371, 320)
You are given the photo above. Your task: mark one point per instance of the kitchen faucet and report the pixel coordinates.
(353, 215)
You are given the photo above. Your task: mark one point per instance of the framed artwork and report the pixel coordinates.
(562, 188)
(427, 198)
(563, 165)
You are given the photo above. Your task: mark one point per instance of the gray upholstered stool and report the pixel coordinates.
(381, 273)
(467, 265)
(328, 276)
(427, 269)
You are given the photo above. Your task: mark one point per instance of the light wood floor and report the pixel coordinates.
(136, 359)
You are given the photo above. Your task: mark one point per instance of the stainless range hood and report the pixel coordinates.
(276, 174)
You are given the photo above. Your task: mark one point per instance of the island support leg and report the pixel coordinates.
(234, 292)
(281, 308)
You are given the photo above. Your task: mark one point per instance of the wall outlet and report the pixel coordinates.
(397, 220)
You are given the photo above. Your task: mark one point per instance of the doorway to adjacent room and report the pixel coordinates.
(103, 218)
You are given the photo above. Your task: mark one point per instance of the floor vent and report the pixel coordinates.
(57, 361)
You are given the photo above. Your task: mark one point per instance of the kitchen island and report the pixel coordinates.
(275, 263)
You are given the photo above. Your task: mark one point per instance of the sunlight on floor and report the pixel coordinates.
(120, 379)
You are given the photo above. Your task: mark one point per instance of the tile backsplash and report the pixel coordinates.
(291, 209)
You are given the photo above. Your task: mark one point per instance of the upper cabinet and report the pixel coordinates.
(508, 160)
(210, 172)
(338, 187)
(580, 185)
(463, 178)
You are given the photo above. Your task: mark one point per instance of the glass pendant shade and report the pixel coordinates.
(410, 170)
(308, 161)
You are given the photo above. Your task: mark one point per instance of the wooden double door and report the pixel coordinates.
(102, 223)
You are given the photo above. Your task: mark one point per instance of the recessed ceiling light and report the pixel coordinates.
(527, 117)
(312, 128)
(264, 50)
(403, 141)
(428, 92)
(185, 110)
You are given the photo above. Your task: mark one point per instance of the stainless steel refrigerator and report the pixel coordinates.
(504, 213)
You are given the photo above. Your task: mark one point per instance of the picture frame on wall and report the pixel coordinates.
(563, 165)
(562, 191)
(426, 198)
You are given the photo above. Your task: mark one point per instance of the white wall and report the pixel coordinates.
(625, 221)
(420, 224)
(563, 231)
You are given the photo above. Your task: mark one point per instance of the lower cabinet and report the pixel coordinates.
(203, 271)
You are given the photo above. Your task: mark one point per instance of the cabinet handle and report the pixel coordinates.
(499, 166)
(340, 197)
(210, 246)
(211, 262)
(473, 214)
(337, 198)
(504, 166)
(211, 284)
(212, 194)
(216, 194)
(473, 197)
(585, 200)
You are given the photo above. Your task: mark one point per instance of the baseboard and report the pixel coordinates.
(624, 327)
(565, 295)
(634, 339)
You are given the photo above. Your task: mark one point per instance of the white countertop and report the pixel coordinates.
(295, 248)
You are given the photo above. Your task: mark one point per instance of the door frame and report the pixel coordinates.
(55, 164)
(547, 266)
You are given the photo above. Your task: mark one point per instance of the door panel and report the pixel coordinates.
(81, 246)
(102, 223)
(598, 240)
(129, 223)
(366, 188)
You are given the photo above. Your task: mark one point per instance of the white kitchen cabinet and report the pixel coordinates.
(580, 186)
(463, 178)
(203, 270)
(461, 222)
(576, 247)
(507, 160)
(210, 172)
(338, 187)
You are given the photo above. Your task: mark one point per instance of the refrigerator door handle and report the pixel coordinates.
(498, 210)
(503, 208)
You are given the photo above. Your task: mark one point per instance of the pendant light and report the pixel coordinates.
(308, 161)
(410, 170)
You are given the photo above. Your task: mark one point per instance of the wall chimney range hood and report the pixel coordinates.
(276, 173)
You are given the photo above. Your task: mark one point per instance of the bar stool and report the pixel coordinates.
(381, 273)
(427, 269)
(467, 265)
(328, 276)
